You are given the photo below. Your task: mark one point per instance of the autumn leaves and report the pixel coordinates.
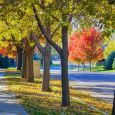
(86, 46)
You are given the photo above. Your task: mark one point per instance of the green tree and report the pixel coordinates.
(23, 16)
(23, 41)
(63, 52)
(62, 12)
(109, 61)
(109, 48)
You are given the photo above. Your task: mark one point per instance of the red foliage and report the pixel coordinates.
(9, 50)
(86, 46)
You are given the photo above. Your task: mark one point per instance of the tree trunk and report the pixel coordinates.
(78, 66)
(46, 52)
(64, 65)
(19, 58)
(90, 66)
(46, 56)
(83, 67)
(113, 110)
(46, 73)
(63, 54)
(65, 82)
(30, 66)
(24, 66)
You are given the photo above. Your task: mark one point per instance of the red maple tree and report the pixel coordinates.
(86, 46)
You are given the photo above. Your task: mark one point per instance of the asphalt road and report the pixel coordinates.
(100, 85)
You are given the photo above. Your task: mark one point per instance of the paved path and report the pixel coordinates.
(8, 103)
(100, 85)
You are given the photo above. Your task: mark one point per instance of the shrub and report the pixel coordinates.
(5, 62)
(109, 61)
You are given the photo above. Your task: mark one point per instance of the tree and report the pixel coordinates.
(111, 1)
(63, 52)
(28, 50)
(87, 46)
(96, 13)
(109, 48)
(23, 16)
(109, 61)
(7, 48)
(62, 13)
(8, 51)
(74, 52)
(46, 52)
(17, 28)
(19, 57)
(22, 41)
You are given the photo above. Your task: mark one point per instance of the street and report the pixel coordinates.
(99, 85)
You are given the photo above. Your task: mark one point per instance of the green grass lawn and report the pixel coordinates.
(37, 102)
(101, 69)
(98, 69)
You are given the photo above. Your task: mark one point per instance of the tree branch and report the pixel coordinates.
(17, 44)
(48, 38)
(43, 8)
(21, 46)
(35, 40)
(56, 29)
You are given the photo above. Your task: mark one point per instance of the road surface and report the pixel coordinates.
(100, 85)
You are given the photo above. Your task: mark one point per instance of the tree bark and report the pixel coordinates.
(25, 66)
(30, 65)
(64, 65)
(19, 58)
(48, 38)
(78, 66)
(90, 66)
(46, 56)
(65, 82)
(46, 73)
(113, 110)
(46, 52)
(83, 67)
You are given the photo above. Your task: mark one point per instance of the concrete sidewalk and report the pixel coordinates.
(9, 105)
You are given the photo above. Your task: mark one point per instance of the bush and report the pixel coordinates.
(109, 61)
(5, 62)
(101, 62)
